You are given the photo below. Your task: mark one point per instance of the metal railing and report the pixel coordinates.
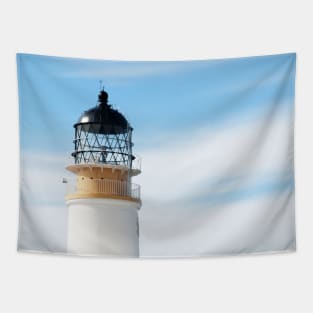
(105, 187)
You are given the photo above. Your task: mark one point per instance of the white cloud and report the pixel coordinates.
(43, 213)
(208, 164)
(41, 178)
(231, 228)
(189, 162)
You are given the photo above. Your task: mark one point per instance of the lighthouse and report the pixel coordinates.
(102, 201)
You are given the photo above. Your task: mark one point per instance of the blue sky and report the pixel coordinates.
(156, 97)
(215, 136)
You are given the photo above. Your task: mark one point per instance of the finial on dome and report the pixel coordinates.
(103, 98)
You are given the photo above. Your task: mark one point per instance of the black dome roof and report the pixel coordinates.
(110, 120)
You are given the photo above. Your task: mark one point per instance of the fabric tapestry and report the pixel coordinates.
(156, 158)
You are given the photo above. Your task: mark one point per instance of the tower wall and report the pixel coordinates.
(100, 226)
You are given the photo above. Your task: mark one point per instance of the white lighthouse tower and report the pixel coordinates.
(103, 202)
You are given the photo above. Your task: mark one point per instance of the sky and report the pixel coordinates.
(215, 138)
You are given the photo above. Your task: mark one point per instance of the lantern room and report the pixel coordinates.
(103, 136)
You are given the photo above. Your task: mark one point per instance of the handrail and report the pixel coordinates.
(104, 187)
